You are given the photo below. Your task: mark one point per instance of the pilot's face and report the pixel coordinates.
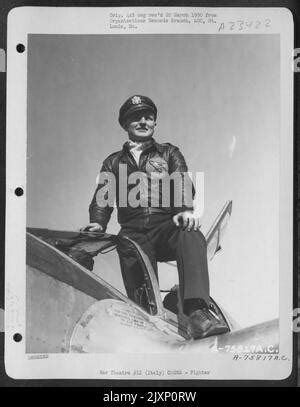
(140, 124)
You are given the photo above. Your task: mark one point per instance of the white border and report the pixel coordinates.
(50, 20)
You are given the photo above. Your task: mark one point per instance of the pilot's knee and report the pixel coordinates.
(195, 233)
(192, 235)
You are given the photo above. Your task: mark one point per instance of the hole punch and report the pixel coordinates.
(19, 191)
(20, 48)
(17, 337)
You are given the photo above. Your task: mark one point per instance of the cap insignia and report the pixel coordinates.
(136, 100)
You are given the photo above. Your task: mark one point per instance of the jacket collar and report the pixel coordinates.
(148, 145)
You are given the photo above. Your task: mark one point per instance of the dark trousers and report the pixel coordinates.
(162, 241)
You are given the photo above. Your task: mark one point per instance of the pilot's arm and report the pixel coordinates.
(185, 216)
(101, 208)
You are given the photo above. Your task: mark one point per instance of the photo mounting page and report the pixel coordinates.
(203, 90)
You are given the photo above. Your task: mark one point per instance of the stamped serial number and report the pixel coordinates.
(241, 25)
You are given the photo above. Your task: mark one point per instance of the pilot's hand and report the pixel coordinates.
(187, 220)
(92, 227)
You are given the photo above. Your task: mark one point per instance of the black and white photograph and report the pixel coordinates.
(149, 193)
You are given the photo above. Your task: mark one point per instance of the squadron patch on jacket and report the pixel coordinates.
(157, 165)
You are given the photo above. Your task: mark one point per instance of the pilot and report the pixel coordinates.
(164, 232)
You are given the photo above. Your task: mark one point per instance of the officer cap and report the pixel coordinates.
(134, 104)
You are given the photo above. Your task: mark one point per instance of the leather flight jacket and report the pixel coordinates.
(156, 160)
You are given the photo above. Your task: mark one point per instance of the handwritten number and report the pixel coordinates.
(240, 23)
